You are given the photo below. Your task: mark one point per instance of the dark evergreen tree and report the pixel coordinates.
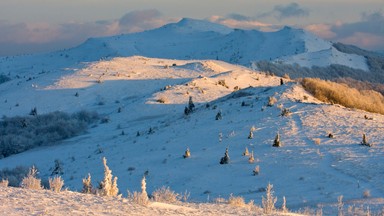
(219, 116)
(225, 159)
(276, 142)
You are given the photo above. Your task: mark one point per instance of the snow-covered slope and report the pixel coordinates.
(149, 136)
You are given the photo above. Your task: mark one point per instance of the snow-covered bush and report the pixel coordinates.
(108, 186)
(87, 185)
(236, 201)
(140, 198)
(56, 184)
(165, 195)
(31, 181)
(15, 175)
(18, 134)
(268, 202)
(187, 153)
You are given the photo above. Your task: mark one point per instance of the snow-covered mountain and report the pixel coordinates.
(147, 131)
(141, 83)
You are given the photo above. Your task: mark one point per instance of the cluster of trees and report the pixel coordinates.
(18, 134)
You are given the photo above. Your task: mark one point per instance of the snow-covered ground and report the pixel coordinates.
(309, 170)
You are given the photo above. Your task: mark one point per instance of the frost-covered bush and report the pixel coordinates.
(56, 184)
(269, 200)
(108, 187)
(140, 198)
(165, 195)
(15, 175)
(87, 185)
(31, 181)
(18, 134)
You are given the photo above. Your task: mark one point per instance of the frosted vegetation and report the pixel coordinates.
(18, 134)
(336, 93)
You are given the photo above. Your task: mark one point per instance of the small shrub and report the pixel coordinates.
(87, 185)
(30, 181)
(366, 194)
(271, 101)
(165, 195)
(140, 198)
(256, 171)
(269, 201)
(56, 184)
(236, 201)
(317, 141)
(246, 152)
(187, 154)
(58, 168)
(251, 159)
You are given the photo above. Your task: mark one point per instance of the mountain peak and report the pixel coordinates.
(189, 25)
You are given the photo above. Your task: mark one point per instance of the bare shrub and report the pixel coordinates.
(284, 205)
(30, 181)
(165, 195)
(332, 92)
(56, 184)
(269, 201)
(4, 183)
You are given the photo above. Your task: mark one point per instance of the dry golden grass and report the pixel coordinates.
(332, 92)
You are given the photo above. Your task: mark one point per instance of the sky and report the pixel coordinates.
(30, 26)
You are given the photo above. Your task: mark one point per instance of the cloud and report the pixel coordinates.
(282, 12)
(44, 37)
(367, 33)
(242, 22)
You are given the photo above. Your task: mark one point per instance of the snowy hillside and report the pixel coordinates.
(147, 131)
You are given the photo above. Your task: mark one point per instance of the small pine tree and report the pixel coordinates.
(144, 194)
(187, 154)
(225, 159)
(187, 111)
(58, 168)
(246, 152)
(191, 105)
(276, 142)
(33, 112)
(250, 136)
(87, 185)
(219, 116)
(108, 187)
